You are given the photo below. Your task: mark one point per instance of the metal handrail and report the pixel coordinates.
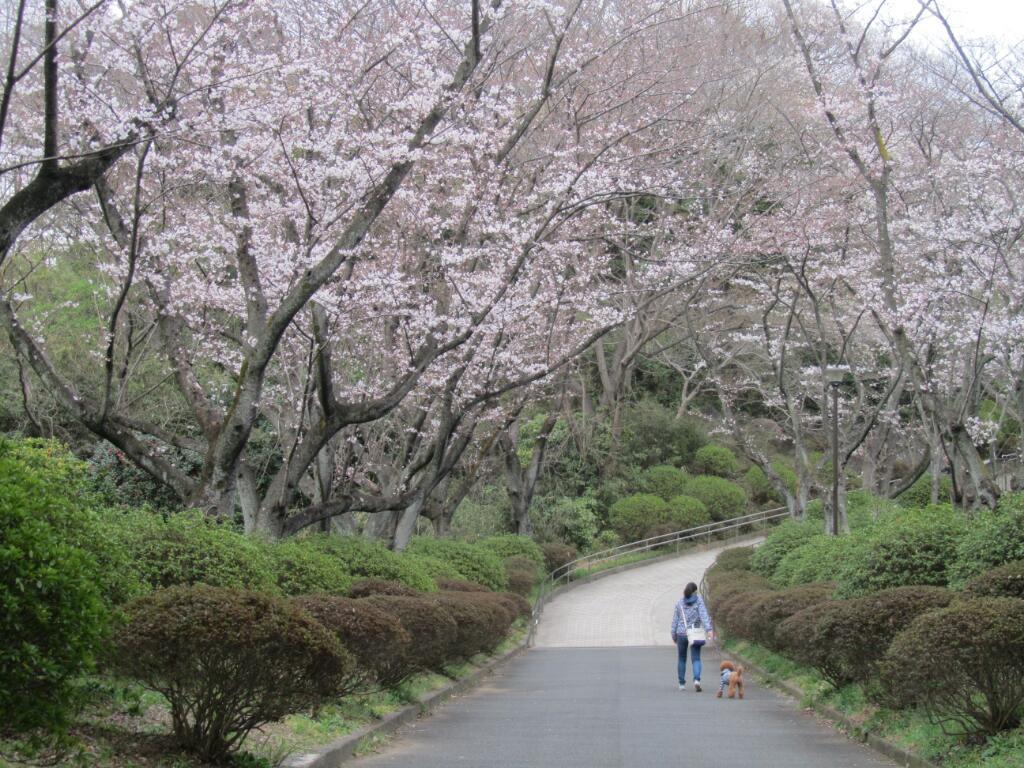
(567, 572)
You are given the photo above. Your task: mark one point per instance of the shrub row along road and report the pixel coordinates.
(599, 691)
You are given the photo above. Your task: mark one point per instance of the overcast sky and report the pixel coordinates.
(1002, 20)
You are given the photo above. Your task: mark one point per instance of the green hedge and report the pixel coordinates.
(992, 539)
(817, 559)
(687, 512)
(1004, 581)
(715, 460)
(760, 487)
(473, 562)
(663, 481)
(300, 569)
(723, 499)
(632, 517)
(783, 539)
(372, 560)
(510, 545)
(919, 495)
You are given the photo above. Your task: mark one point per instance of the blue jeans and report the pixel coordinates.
(681, 646)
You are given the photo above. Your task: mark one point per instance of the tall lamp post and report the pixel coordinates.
(834, 377)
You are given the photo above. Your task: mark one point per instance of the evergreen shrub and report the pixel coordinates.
(632, 517)
(227, 661)
(557, 555)
(817, 559)
(653, 435)
(434, 567)
(992, 539)
(816, 637)
(760, 487)
(687, 512)
(367, 587)
(481, 622)
(430, 625)
(765, 613)
(663, 481)
(522, 574)
(1004, 581)
(963, 664)
(300, 569)
(372, 560)
(783, 539)
(734, 559)
(510, 545)
(460, 585)
(919, 495)
(473, 562)
(518, 606)
(724, 500)
(715, 460)
(376, 639)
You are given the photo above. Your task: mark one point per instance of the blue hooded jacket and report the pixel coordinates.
(696, 615)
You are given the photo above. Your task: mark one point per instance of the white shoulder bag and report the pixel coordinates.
(694, 635)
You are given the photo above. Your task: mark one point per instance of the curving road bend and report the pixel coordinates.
(599, 691)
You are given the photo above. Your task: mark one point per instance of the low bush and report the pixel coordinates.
(522, 574)
(482, 622)
(190, 548)
(723, 585)
(227, 661)
(760, 487)
(52, 617)
(434, 567)
(765, 614)
(992, 539)
(473, 562)
(372, 560)
(919, 495)
(367, 587)
(460, 585)
(431, 627)
(557, 555)
(512, 545)
(518, 606)
(632, 517)
(663, 481)
(964, 664)
(815, 637)
(1004, 581)
(723, 499)
(731, 607)
(913, 547)
(735, 559)
(687, 512)
(300, 569)
(715, 460)
(605, 540)
(786, 537)
(377, 640)
(817, 559)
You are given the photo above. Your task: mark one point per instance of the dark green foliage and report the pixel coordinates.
(715, 460)
(460, 585)
(662, 481)
(1004, 581)
(919, 495)
(574, 520)
(431, 627)
(992, 538)
(376, 639)
(815, 560)
(434, 567)
(518, 606)
(300, 569)
(964, 664)
(227, 661)
(632, 517)
(52, 617)
(118, 481)
(735, 559)
(557, 555)
(816, 637)
(473, 562)
(764, 614)
(368, 587)
(912, 547)
(190, 548)
(481, 620)
(373, 560)
(723, 499)
(522, 574)
(653, 435)
(786, 537)
(509, 545)
(760, 487)
(687, 512)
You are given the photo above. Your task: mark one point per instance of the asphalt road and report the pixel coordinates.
(591, 700)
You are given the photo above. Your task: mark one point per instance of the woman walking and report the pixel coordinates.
(691, 628)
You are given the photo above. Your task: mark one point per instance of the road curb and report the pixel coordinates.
(887, 748)
(345, 748)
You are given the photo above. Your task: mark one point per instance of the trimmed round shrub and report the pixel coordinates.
(815, 560)
(991, 539)
(783, 539)
(663, 481)
(367, 587)
(460, 585)
(605, 540)
(512, 545)
(190, 548)
(557, 555)
(431, 627)
(913, 547)
(732, 608)
(227, 661)
(1004, 581)
(522, 574)
(518, 605)
(372, 560)
(767, 612)
(760, 487)
(715, 460)
(376, 639)
(734, 559)
(52, 617)
(300, 569)
(919, 495)
(434, 567)
(723, 499)
(482, 622)
(815, 637)
(964, 664)
(722, 585)
(473, 562)
(687, 512)
(632, 517)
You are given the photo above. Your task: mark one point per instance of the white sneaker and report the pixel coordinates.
(696, 685)
(682, 686)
